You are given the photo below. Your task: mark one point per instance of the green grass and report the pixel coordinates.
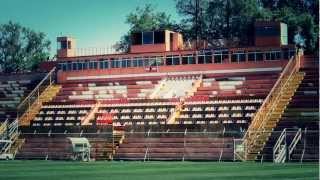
(61, 170)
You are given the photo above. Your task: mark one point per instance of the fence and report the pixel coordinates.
(177, 146)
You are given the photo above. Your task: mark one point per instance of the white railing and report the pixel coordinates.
(304, 145)
(34, 95)
(279, 150)
(9, 136)
(91, 51)
(3, 128)
(294, 142)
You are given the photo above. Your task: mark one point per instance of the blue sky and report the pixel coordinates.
(94, 23)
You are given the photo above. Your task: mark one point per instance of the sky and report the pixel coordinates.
(93, 23)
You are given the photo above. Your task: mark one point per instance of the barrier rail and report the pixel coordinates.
(263, 114)
(34, 95)
(170, 145)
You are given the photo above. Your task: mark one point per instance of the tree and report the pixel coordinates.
(144, 19)
(193, 22)
(298, 14)
(220, 19)
(21, 48)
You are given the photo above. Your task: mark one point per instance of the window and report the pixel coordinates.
(169, 60)
(140, 62)
(273, 55)
(156, 61)
(69, 66)
(146, 62)
(147, 37)
(188, 59)
(93, 64)
(85, 65)
(225, 54)
(219, 56)
(74, 66)
(208, 59)
(151, 37)
(201, 59)
(255, 56)
(238, 56)
(173, 60)
(176, 60)
(80, 66)
(205, 57)
(62, 66)
(63, 45)
(115, 63)
(251, 56)
(104, 64)
(128, 62)
(136, 38)
(123, 63)
(135, 63)
(159, 37)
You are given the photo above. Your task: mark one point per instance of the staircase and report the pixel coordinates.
(195, 87)
(158, 88)
(270, 112)
(175, 114)
(86, 120)
(45, 91)
(9, 139)
(46, 96)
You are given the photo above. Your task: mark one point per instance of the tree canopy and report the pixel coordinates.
(21, 48)
(144, 19)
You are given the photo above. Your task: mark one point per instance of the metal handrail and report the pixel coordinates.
(277, 86)
(276, 148)
(36, 89)
(304, 145)
(3, 126)
(280, 139)
(294, 63)
(295, 141)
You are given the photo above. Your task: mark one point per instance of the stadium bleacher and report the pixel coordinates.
(183, 105)
(13, 89)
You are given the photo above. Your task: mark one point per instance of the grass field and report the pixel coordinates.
(61, 170)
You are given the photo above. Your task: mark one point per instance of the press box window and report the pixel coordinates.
(85, 65)
(136, 38)
(74, 66)
(93, 65)
(188, 60)
(104, 65)
(147, 37)
(115, 64)
(159, 37)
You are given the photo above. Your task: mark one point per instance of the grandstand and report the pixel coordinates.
(164, 101)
